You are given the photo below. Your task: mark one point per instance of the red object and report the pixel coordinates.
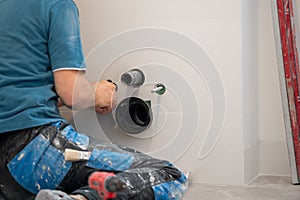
(97, 182)
(291, 70)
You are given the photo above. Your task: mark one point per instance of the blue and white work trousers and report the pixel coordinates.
(32, 160)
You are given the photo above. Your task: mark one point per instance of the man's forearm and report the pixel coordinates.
(74, 90)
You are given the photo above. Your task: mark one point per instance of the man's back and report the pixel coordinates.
(32, 47)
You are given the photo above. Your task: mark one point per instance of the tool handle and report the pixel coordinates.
(75, 155)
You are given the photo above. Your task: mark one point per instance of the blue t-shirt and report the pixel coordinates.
(37, 38)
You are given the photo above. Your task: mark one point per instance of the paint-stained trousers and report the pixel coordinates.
(32, 160)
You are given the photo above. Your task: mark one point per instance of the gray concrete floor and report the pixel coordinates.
(262, 188)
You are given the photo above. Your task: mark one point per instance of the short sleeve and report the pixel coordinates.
(64, 43)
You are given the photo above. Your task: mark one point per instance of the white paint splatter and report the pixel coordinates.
(21, 156)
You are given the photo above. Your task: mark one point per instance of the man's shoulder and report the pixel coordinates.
(48, 4)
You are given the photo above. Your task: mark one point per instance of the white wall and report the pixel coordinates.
(250, 42)
(238, 37)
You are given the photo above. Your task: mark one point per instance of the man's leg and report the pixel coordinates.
(143, 174)
(146, 177)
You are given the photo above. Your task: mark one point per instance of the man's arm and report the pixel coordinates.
(76, 92)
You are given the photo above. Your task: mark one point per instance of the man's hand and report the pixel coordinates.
(105, 96)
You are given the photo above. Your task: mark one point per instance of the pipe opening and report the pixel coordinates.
(133, 115)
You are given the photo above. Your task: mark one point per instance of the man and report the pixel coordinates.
(41, 61)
